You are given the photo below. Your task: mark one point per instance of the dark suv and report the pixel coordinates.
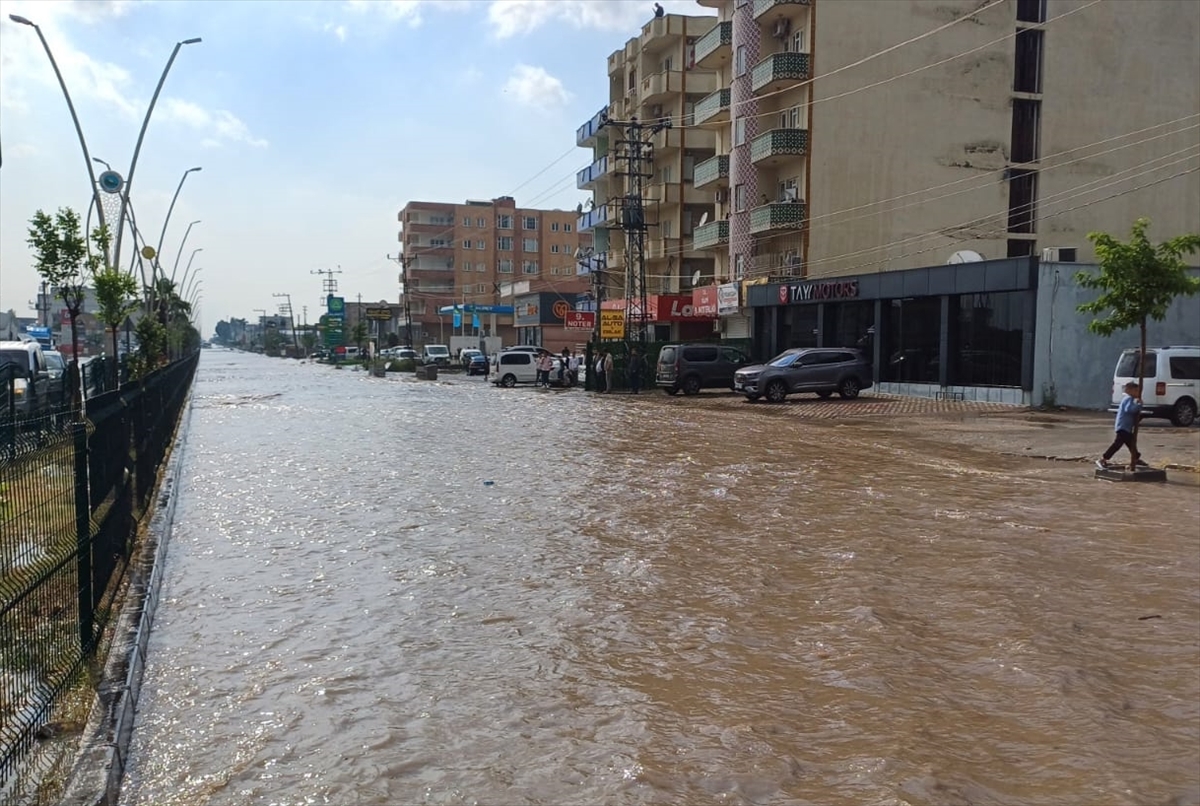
(692, 367)
(820, 370)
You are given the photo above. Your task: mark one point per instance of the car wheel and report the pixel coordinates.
(691, 385)
(1183, 413)
(671, 390)
(776, 391)
(849, 389)
(509, 381)
(824, 395)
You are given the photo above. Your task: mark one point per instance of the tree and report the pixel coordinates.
(60, 256)
(359, 334)
(116, 294)
(1138, 281)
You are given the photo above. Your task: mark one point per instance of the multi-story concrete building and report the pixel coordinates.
(862, 146)
(481, 256)
(652, 79)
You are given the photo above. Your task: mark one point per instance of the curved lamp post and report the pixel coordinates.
(183, 279)
(87, 157)
(141, 136)
(192, 285)
(162, 235)
(179, 254)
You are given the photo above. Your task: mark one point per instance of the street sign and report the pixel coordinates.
(383, 314)
(335, 305)
(612, 324)
(579, 320)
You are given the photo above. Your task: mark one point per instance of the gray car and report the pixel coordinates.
(822, 371)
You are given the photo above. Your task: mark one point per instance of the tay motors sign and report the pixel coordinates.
(818, 292)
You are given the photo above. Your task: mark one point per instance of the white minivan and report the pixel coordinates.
(511, 367)
(1172, 382)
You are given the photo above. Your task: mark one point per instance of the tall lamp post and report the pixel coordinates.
(87, 157)
(179, 254)
(162, 235)
(188, 268)
(185, 288)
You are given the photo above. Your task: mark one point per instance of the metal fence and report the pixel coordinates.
(71, 495)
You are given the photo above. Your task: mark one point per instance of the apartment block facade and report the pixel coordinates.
(481, 256)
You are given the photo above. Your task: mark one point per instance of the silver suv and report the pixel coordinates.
(820, 370)
(24, 379)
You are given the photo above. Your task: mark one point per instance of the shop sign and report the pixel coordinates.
(381, 314)
(560, 308)
(676, 308)
(579, 320)
(728, 299)
(612, 324)
(704, 301)
(818, 292)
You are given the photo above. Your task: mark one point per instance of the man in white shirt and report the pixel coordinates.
(573, 368)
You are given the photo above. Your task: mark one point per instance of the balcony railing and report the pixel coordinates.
(763, 6)
(713, 108)
(592, 218)
(714, 43)
(585, 178)
(779, 67)
(585, 133)
(785, 215)
(711, 235)
(778, 143)
(711, 171)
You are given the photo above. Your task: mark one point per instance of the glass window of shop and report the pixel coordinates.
(848, 324)
(912, 331)
(985, 339)
(795, 327)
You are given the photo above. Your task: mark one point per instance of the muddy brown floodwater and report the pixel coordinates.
(651, 603)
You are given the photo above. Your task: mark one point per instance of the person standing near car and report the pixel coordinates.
(598, 370)
(637, 366)
(572, 368)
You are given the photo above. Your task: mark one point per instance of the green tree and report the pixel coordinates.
(60, 254)
(308, 341)
(1137, 281)
(116, 293)
(359, 334)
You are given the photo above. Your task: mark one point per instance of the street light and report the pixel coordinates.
(141, 136)
(184, 288)
(183, 280)
(179, 254)
(87, 157)
(167, 220)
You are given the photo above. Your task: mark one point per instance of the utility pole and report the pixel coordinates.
(291, 318)
(329, 285)
(634, 149)
(404, 292)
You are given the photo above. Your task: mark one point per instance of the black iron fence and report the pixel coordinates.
(72, 491)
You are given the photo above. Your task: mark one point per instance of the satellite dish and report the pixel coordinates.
(703, 219)
(110, 182)
(965, 256)
(696, 277)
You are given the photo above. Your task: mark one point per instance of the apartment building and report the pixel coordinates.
(889, 175)
(653, 79)
(480, 256)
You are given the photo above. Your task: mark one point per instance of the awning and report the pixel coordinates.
(470, 307)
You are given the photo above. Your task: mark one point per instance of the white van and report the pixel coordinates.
(1172, 382)
(511, 367)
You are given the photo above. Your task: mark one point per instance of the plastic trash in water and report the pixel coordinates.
(488, 483)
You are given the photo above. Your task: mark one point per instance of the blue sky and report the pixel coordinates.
(314, 122)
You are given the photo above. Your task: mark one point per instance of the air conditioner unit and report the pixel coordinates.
(722, 196)
(1059, 254)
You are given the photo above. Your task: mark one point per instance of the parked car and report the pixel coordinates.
(478, 365)
(819, 370)
(1171, 382)
(25, 376)
(56, 365)
(437, 354)
(692, 367)
(465, 356)
(510, 367)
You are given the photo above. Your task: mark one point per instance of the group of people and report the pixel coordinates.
(568, 368)
(603, 371)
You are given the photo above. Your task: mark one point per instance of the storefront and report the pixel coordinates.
(960, 330)
(540, 317)
(675, 317)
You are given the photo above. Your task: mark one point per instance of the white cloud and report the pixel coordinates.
(534, 87)
(338, 31)
(513, 17)
(219, 125)
(408, 12)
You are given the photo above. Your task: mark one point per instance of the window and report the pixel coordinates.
(666, 64)
(466, 221)
(739, 132)
(665, 174)
(529, 267)
(467, 243)
(530, 222)
(739, 198)
(554, 226)
(504, 266)
(668, 228)
(798, 43)
(520, 358)
(790, 118)
(529, 244)
(481, 288)
(1026, 128)
(466, 266)
(554, 248)
(850, 324)
(480, 245)
(1186, 367)
(739, 267)
(436, 242)
(479, 222)
(985, 339)
(740, 64)
(566, 227)
(1027, 68)
(504, 243)
(912, 331)
(504, 221)
(1031, 10)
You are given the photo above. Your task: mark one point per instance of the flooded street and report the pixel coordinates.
(653, 602)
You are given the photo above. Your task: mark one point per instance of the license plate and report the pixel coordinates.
(738, 385)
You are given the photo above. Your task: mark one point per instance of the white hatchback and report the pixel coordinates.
(1172, 382)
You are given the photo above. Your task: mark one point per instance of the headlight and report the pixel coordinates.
(19, 386)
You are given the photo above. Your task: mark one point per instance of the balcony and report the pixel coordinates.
(616, 61)
(791, 9)
(585, 135)
(714, 48)
(672, 194)
(711, 235)
(779, 70)
(674, 139)
(712, 173)
(775, 146)
(659, 86)
(713, 109)
(661, 33)
(586, 179)
(783, 216)
(597, 216)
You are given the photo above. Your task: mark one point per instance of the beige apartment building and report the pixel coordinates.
(484, 257)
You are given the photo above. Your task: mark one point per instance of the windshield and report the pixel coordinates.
(783, 360)
(438, 349)
(15, 357)
(55, 361)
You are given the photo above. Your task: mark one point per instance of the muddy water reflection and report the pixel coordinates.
(653, 604)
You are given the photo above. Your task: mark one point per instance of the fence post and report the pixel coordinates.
(83, 535)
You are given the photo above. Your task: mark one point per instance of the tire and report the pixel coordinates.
(849, 388)
(824, 395)
(776, 391)
(508, 381)
(671, 390)
(691, 385)
(1183, 413)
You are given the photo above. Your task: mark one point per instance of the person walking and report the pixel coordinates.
(598, 371)
(608, 372)
(637, 366)
(1129, 412)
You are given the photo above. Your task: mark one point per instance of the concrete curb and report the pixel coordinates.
(1082, 459)
(99, 767)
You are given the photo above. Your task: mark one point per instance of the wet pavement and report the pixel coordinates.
(387, 591)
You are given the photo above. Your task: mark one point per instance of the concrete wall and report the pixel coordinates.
(1078, 365)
